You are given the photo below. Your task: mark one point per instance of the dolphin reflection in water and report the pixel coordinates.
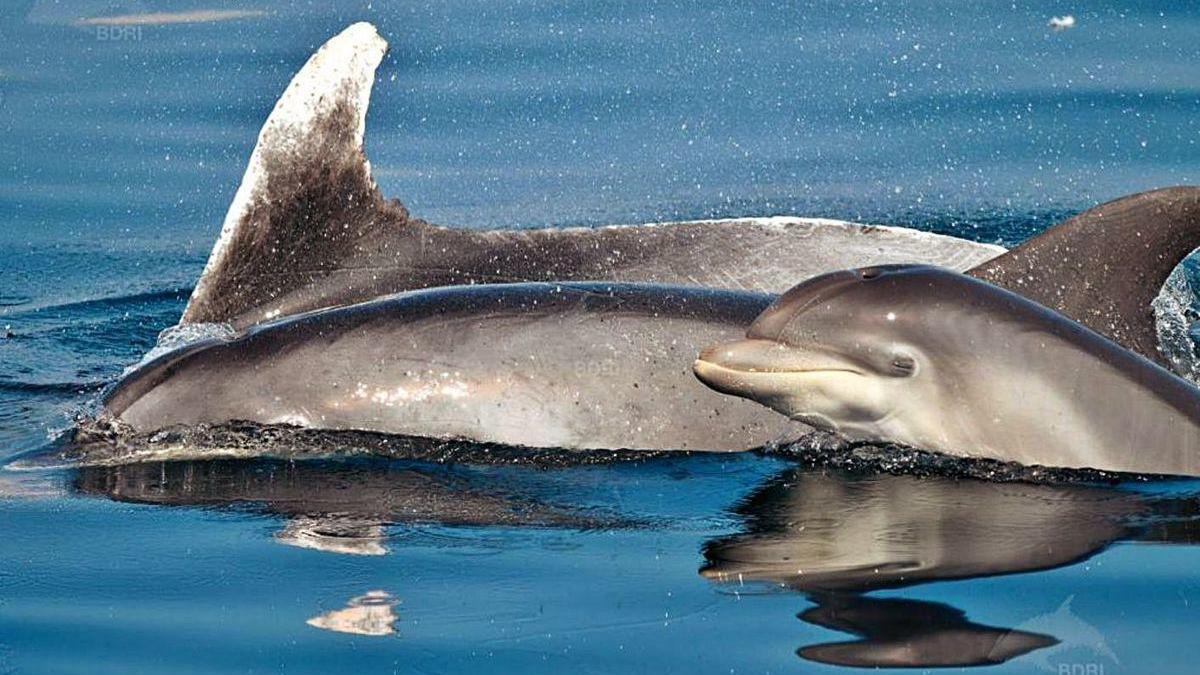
(835, 537)
(832, 537)
(337, 507)
(372, 614)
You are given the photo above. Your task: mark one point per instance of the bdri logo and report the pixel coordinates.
(1081, 649)
(106, 33)
(106, 20)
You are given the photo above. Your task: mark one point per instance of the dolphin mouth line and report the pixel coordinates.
(702, 364)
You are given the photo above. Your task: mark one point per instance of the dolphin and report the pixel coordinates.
(308, 227)
(573, 365)
(309, 231)
(940, 361)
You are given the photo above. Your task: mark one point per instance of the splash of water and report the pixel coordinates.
(1176, 313)
(181, 335)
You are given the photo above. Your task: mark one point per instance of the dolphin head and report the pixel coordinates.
(847, 351)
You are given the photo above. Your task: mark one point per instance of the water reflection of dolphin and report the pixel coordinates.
(834, 537)
(372, 613)
(823, 532)
(900, 633)
(340, 507)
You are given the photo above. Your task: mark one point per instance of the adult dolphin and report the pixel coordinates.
(1105, 267)
(571, 365)
(940, 361)
(308, 228)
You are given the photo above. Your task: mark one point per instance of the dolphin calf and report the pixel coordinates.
(308, 228)
(940, 361)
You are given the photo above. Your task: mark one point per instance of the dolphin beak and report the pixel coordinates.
(758, 369)
(730, 368)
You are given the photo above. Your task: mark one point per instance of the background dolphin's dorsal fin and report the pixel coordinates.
(307, 195)
(1106, 265)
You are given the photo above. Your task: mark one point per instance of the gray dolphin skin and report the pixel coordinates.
(572, 365)
(1105, 266)
(940, 361)
(309, 228)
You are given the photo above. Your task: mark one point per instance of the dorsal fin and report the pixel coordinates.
(309, 229)
(1106, 265)
(307, 195)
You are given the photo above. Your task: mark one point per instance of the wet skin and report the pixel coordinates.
(939, 361)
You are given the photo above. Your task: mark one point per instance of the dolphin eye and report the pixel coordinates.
(904, 365)
(869, 272)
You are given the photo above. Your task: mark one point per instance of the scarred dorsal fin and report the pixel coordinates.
(308, 228)
(1105, 266)
(307, 196)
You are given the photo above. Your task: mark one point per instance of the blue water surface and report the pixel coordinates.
(121, 148)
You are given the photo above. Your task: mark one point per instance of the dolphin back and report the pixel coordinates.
(309, 229)
(1104, 267)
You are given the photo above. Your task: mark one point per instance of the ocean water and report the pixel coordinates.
(121, 146)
